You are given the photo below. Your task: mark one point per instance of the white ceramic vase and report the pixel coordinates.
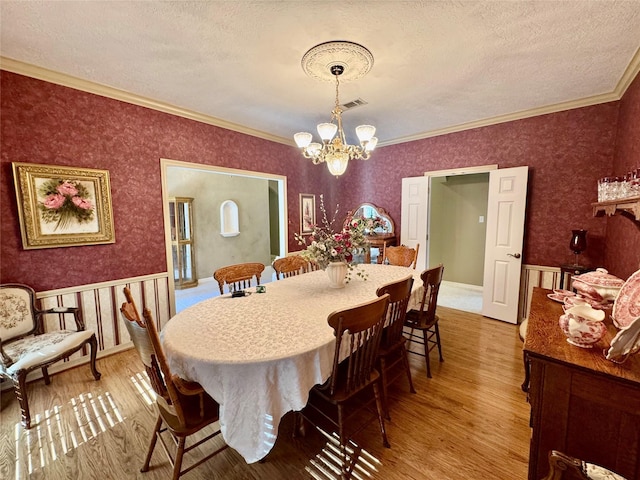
(337, 272)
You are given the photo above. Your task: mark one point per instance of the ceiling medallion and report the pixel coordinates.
(337, 61)
(355, 60)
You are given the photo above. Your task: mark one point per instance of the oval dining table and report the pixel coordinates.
(259, 356)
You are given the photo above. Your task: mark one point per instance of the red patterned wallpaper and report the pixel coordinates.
(566, 153)
(45, 123)
(622, 254)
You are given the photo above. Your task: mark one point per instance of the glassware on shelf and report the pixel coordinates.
(619, 187)
(635, 183)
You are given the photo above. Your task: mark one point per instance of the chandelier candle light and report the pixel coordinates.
(334, 149)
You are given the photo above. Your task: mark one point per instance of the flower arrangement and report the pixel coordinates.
(328, 246)
(371, 224)
(64, 201)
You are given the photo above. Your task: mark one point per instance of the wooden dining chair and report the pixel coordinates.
(239, 276)
(425, 319)
(290, 266)
(565, 467)
(401, 255)
(354, 383)
(184, 408)
(313, 266)
(393, 352)
(26, 347)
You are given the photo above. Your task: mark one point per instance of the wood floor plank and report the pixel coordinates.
(470, 421)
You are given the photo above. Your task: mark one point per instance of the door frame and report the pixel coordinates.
(449, 173)
(165, 163)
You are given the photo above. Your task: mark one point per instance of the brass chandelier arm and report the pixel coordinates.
(334, 149)
(355, 152)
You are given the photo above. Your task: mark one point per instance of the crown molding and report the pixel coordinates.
(51, 76)
(626, 79)
(21, 68)
(510, 117)
(629, 74)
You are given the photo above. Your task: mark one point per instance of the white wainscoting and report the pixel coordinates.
(536, 276)
(100, 305)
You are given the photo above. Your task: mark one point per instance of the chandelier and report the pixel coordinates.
(334, 149)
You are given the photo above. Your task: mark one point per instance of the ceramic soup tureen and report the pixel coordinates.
(599, 285)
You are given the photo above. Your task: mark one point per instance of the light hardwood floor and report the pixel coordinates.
(470, 421)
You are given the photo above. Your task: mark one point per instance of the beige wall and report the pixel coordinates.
(457, 236)
(209, 190)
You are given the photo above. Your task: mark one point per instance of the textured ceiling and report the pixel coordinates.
(437, 64)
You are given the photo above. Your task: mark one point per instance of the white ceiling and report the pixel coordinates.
(438, 65)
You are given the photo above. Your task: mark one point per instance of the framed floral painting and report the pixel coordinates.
(63, 206)
(307, 213)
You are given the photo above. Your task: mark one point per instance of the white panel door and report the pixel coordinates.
(414, 216)
(503, 251)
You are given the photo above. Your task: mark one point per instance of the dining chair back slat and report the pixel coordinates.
(361, 327)
(392, 348)
(401, 255)
(290, 266)
(425, 319)
(183, 407)
(142, 341)
(345, 396)
(239, 276)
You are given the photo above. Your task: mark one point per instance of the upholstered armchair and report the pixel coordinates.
(25, 346)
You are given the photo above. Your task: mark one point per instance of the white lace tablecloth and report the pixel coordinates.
(259, 356)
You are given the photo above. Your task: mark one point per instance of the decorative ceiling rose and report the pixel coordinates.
(355, 59)
(337, 61)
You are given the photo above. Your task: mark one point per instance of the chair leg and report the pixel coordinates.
(410, 338)
(385, 392)
(20, 388)
(344, 473)
(407, 368)
(94, 352)
(425, 335)
(179, 454)
(152, 444)
(45, 374)
(383, 430)
(438, 342)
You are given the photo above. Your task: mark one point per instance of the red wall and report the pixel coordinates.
(44, 123)
(623, 234)
(567, 152)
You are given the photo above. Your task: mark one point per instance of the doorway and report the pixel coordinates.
(457, 232)
(505, 214)
(262, 210)
(442, 211)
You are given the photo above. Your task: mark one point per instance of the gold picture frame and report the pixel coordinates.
(63, 206)
(307, 213)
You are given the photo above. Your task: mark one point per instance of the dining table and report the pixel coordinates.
(259, 355)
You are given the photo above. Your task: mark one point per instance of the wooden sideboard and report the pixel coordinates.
(581, 403)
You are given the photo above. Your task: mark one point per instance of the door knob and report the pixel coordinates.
(514, 255)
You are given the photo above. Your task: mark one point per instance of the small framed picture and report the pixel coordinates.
(307, 213)
(63, 206)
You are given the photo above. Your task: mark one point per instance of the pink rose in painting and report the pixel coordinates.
(54, 201)
(82, 203)
(67, 188)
